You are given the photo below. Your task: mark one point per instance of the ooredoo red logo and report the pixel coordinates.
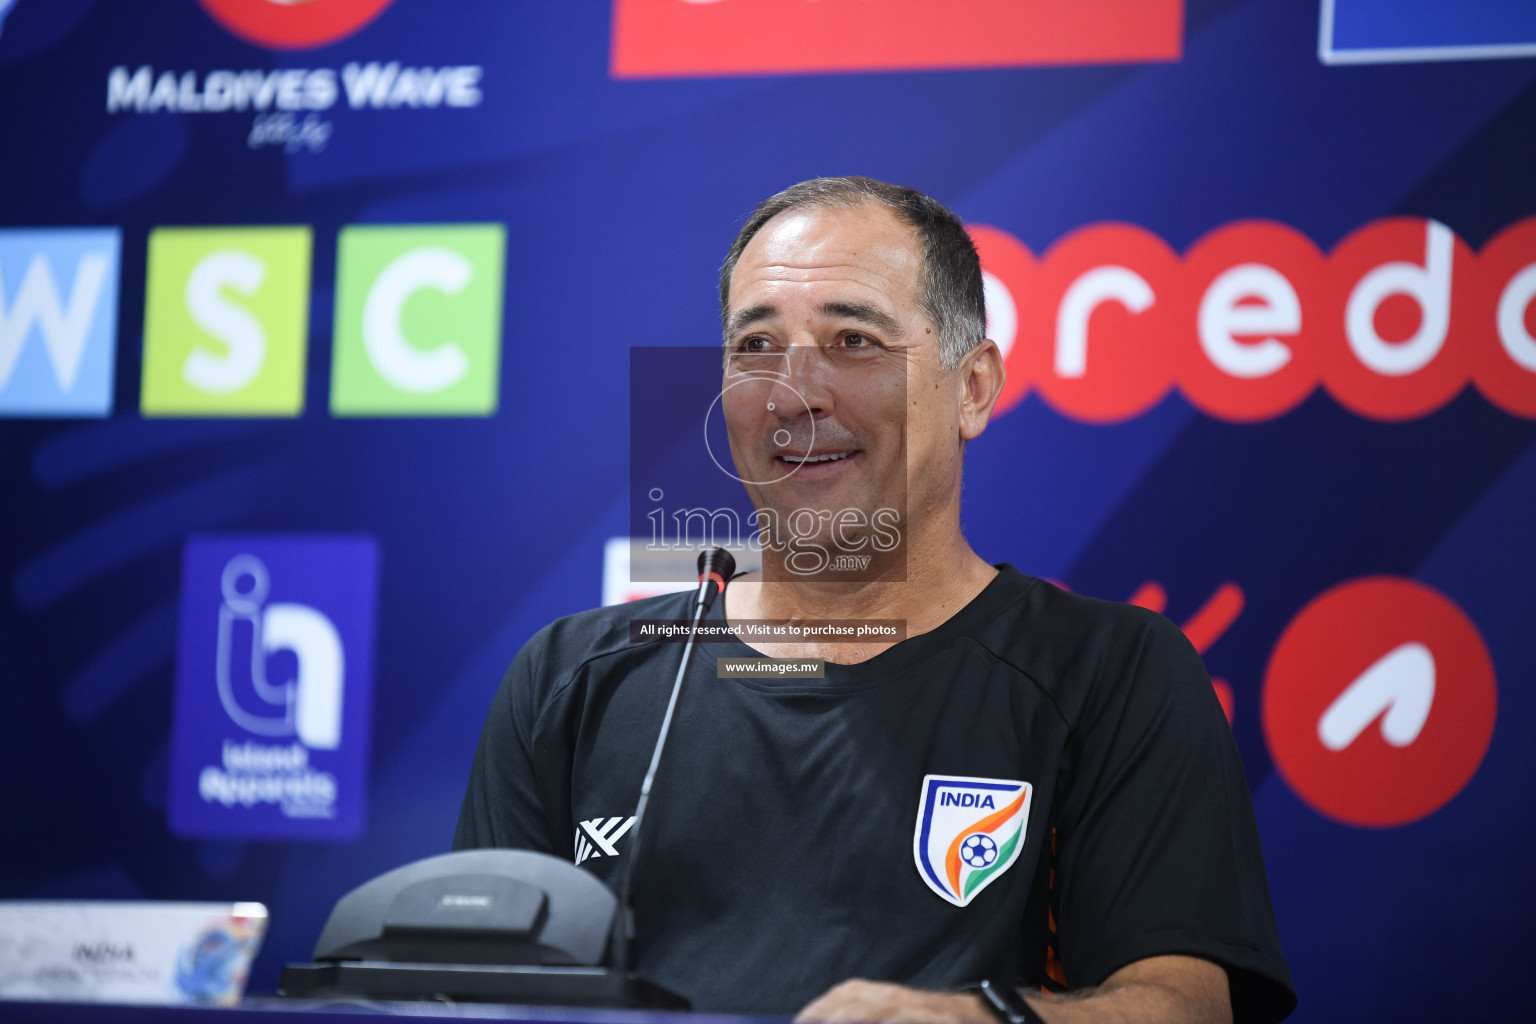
(733, 37)
(1379, 702)
(1394, 323)
(293, 24)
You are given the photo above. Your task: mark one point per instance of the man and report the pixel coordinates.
(1033, 789)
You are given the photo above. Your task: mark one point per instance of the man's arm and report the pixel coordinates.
(503, 805)
(1171, 989)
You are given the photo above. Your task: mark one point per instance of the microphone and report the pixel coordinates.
(716, 567)
(542, 933)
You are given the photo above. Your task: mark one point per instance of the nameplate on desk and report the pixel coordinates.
(128, 951)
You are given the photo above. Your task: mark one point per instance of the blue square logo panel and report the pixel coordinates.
(58, 321)
(1404, 31)
(274, 687)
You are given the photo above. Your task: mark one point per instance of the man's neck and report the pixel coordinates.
(935, 585)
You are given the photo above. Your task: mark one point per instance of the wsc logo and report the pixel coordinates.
(273, 687)
(418, 320)
(226, 320)
(969, 831)
(58, 320)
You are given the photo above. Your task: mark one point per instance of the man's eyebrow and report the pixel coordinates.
(744, 318)
(865, 313)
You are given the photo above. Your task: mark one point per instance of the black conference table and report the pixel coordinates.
(274, 1010)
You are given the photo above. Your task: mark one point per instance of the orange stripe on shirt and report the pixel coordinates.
(987, 824)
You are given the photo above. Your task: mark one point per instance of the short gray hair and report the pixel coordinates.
(952, 295)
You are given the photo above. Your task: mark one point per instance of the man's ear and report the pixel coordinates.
(981, 382)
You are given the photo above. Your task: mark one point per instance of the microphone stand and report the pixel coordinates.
(715, 566)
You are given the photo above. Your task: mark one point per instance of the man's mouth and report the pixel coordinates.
(806, 460)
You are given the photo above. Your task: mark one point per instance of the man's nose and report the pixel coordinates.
(806, 383)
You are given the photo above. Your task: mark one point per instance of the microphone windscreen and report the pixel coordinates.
(717, 563)
(727, 564)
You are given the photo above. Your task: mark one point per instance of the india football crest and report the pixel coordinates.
(969, 831)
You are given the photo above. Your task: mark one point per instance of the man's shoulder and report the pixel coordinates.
(573, 640)
(1058, 637)
(1039, 614)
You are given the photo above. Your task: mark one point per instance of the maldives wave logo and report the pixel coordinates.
(292, 24)
(969, 831)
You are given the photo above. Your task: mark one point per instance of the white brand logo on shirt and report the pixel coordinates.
(599, 837)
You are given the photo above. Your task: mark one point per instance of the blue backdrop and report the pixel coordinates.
(619, 197)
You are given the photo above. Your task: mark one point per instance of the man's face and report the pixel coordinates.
(832, 392)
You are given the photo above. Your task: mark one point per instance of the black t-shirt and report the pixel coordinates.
(1042, 758)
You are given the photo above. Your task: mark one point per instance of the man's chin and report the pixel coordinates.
(823, 561)
(825, 499)
(836, 544)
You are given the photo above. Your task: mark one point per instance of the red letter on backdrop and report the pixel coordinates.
(1398, 324)
(1008, 270)
(1247, 327)
(1504, 324)
(654, 38)
(1095, 330)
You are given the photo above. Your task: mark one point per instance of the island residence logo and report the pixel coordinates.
(273, 687)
